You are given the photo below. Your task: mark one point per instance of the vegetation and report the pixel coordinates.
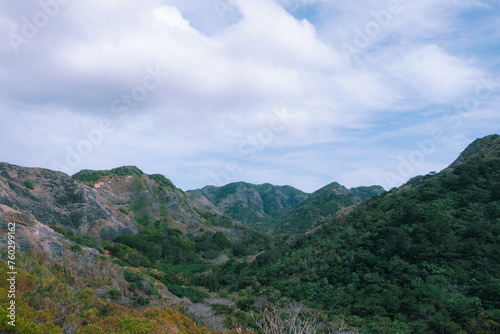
(423, 258)
(181, 261)
(90, 177)
(28, 184)
(321, 206)
(284, 210)
(46, 303)
(420, 259)
(163, 182)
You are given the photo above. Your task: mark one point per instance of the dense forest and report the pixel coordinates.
(420, 259)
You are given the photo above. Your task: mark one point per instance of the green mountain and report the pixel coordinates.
(423, 258)
(257, 206)
(482, 148)
(283, 209)
(321, 206)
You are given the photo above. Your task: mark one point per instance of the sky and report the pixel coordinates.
(287, 92)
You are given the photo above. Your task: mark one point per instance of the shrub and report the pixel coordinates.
(85, 240)
(196, 296)
(76, 248)
(115, 294)
(162, 181)
(131, 276)
(28, 184)
(123, 210)
(142, 301)
(210, 254)
(59, 229)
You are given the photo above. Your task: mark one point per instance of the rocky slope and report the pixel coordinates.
(54, 198)
(129, 192)
(55, 216)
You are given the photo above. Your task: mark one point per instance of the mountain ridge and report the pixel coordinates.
(486, 147)
(284, 209)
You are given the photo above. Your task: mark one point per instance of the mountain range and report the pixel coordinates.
(421, 258)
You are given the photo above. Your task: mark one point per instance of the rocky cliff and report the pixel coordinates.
(54, 198)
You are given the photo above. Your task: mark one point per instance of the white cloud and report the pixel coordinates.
(437, 76)
(229, 71)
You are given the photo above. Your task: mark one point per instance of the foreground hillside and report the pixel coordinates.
(129, 240)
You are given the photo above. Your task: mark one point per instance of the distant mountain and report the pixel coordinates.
(257, 206)
(284, 209)
(322, 205)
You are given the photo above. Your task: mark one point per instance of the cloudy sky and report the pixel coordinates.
(298, 92)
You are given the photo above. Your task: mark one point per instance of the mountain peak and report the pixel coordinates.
(487, 147)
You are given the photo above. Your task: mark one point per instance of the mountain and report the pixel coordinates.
(422, 258)
(120, 251)
(255, 205)
(482, 148)
(130, 192)
(283, 209)
(110, 231)
(54, 198)
(322, 205)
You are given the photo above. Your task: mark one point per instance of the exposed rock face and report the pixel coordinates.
(30, 234)
(56, 199)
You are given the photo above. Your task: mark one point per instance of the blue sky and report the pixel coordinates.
(298, 92)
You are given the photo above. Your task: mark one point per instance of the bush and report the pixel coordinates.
(59, 229)
(196, 296)
(162, 181)
(115, 294)
(123, 210)
(85, 240)
(131, 276)
(28, 184)
(211, 254)
(142, 301)
(76, 248)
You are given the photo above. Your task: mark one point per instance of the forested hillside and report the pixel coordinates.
(424, 258)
